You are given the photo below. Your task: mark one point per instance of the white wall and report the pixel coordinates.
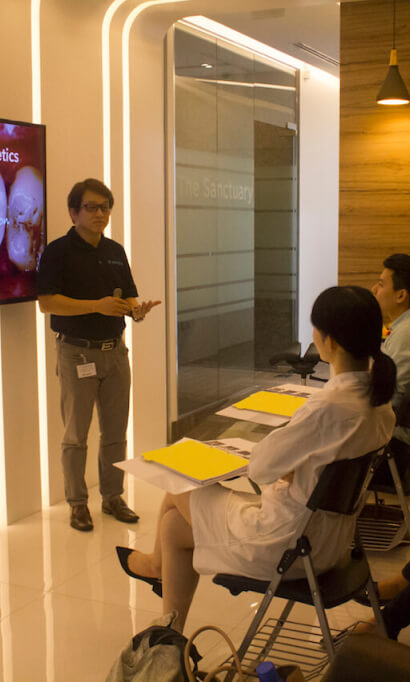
(318, 192)
(72, 110)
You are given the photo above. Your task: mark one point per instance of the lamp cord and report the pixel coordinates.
(394, 24)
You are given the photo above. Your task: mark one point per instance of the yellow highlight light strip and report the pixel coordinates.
(40, 319)
(3, 486)
(126, 133)
(106, 85)
(42, 406)
(35, 61)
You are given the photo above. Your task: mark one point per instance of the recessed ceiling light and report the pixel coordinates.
(207, 66)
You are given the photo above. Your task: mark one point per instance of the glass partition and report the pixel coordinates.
(236, 215)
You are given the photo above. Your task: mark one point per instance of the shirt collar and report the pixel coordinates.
(402, 318)
(346, 379)
(73, 234)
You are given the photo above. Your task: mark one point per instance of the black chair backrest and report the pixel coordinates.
(311, 354)
(342, 483)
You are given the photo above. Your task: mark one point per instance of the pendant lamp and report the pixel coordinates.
(393, 90)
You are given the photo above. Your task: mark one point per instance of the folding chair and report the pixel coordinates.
(340, 489)
(384, 526)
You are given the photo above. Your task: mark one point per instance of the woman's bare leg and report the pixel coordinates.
(150, 564)
(171, 557)
(179, 579)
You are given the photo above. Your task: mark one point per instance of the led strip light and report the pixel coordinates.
(126, 132)
(106, 95)
(239, 39)
(40, 318)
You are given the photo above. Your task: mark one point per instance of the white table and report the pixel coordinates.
(175, 483)
(273, 420)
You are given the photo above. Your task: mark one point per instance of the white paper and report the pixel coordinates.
(172, 482)
(87, 369)
(157, 475)
(273, 420)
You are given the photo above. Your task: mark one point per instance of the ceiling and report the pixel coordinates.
(315, 26)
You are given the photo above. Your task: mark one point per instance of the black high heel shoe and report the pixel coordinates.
(123, 554)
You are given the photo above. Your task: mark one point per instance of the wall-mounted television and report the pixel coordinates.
(22, 208)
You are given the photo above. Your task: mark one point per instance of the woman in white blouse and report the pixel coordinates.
(215, 529)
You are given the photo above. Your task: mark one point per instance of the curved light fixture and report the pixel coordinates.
(393, 91)
(40, 318)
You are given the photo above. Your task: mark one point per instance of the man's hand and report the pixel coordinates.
(112, 306)
(139, 311)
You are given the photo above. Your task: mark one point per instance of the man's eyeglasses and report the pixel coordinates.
(92, 207)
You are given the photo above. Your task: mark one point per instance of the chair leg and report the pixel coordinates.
(318, 602)
(254, 626)
(374, 602)
(400, 492)
(276, 630)
(255, 486)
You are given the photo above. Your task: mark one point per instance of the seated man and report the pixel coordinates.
(395, 592)
(392, 291)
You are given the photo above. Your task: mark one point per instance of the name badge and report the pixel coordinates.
(86, 370)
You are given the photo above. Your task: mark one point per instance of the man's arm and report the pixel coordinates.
(64, 305)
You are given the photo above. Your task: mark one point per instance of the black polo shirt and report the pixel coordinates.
(72, 267)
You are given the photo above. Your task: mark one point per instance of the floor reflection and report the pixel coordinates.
(67, 609)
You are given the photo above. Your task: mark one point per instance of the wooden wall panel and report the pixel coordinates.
(374, 141)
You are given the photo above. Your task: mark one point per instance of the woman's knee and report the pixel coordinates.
(175, 530)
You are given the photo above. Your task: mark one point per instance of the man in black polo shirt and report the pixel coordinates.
(86, 284)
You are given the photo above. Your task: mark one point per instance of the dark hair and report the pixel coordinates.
(75, 197)
(399, 263)
(352, 317)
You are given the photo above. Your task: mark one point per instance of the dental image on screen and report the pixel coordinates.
(22, 208)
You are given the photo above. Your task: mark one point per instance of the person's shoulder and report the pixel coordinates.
(55, 250)
(312, 408)
(337, 402)
(58, 244)
(404, 327)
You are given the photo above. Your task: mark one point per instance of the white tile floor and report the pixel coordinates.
(67, 608)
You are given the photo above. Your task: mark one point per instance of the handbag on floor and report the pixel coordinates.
(154, 655)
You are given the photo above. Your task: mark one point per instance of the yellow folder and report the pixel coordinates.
(199, 462)
(272, 403)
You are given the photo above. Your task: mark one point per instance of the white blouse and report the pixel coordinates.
(246, 534)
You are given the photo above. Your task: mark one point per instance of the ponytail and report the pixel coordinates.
(382, 379)
(352, 317)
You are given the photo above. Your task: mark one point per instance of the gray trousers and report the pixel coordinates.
(109, 390)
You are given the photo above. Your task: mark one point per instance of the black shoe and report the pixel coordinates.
(81, 518)
(118, 508)
(123, 554)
